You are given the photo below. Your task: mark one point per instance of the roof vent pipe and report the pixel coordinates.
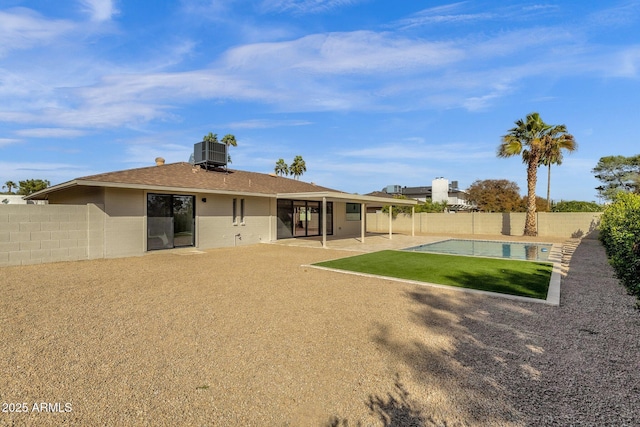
(159, 161)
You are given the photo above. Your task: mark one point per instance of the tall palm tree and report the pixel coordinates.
(527, 138)
(281, 168)
(229, 140)
(557, 139)
(10, 185)
(210, 137)
(298, 167)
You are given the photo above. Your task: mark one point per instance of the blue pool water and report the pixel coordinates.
(510, 250)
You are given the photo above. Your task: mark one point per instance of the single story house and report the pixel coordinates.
(185, 205)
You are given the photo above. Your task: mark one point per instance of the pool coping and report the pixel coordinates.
(553, 293)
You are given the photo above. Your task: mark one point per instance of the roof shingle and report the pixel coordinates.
(184, 175)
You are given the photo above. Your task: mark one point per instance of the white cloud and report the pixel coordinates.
(143, 150)
(8, 141)
(22, 28)
(358, 52)
(417, 150)
(619, 15)
(99, 10)
(625, 63)
(450, 13)
(50, 133)
(305, 6)
(345, 71)
(267, 124)
(52, 171)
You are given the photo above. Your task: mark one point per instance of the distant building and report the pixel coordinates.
(440, 190)
(16, 199)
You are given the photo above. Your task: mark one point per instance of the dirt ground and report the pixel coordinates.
(248, 336)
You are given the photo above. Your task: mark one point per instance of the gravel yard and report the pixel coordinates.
(246, 336)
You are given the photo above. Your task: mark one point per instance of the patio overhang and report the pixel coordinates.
(330, 196)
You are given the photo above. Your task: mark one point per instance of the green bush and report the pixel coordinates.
(620, 235)
(576, 206)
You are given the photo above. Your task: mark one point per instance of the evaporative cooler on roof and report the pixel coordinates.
(210, 154)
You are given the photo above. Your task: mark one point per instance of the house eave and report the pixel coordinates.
(337, 196)
(150, 188)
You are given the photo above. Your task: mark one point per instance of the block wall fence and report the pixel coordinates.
(35, 234)
(550, 224)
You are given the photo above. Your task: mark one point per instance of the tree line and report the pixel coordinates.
(618, 175)
(26, 187)
(502, 195)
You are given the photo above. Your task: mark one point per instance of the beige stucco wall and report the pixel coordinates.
(556, 224)
(342, 227)
(216, 228)
(124, 226)
(78, 196)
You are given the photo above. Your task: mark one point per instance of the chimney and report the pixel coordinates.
(159, 161)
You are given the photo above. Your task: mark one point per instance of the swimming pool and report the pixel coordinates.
(510, 250)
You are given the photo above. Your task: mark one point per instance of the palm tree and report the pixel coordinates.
(556, 140)
(210, 137)
(527, 139)
(281, 168)
(10, 185)
(298, 167)
(228, 140)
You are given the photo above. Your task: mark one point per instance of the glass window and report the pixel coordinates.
(353, 212)
(235, 211)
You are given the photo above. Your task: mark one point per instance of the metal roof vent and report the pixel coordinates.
(210, 154)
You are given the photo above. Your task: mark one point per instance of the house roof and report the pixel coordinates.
(380, 194)
(186, 177)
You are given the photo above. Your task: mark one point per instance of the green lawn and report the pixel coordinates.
(523, 278)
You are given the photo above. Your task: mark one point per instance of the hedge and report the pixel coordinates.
(620, 235)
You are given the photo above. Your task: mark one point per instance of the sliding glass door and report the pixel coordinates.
(183, 221)
(303, 218)
(170, 221)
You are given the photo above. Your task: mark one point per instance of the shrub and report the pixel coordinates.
(620, 235)
(431, 206)
(576, 206)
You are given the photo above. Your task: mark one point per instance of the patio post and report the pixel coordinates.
(324, 219)
(363, 219)
(390, 222)
(413, 221)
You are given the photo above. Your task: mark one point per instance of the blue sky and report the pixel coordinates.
(369, 92)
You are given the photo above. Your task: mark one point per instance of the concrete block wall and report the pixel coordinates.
(552, 224)
(570, 224)
(35, 234)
